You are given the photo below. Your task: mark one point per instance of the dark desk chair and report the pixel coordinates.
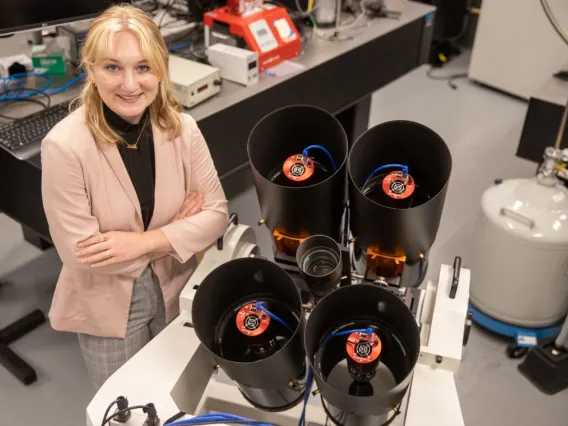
(8, 358)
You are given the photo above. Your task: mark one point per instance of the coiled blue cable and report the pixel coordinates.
(306, 150)
(386, 166)
(274, 317)
(28, 93)
(219, 418)
(16, 78)
(20, 94)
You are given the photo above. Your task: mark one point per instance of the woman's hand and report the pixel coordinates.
(115, 246)
(191, 206)
(111, 247)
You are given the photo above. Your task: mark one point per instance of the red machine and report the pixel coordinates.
(263, 28)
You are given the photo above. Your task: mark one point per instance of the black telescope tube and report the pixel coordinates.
(270, 383)
(399, 231)
(362, 305)
(306, 210)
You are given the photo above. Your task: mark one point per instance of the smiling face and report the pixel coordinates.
(124, 80)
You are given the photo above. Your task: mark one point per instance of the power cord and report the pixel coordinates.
(23, 94)
(6, 101)
(449, 78)
(145, 408)
(109, 408)
(17, 78)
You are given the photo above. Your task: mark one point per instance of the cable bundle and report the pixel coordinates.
(215, 418)
(19, 93)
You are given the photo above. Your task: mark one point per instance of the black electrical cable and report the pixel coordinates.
(449, 78)
(455, 77)
(19, 90)
(436, 77)
(35, 101)
(134, 407)
(108, 410)
(174, 417)
(7, 102)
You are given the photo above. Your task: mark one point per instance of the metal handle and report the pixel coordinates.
(518, 216)
(456, 277)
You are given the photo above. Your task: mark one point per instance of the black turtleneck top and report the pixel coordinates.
(139, 162)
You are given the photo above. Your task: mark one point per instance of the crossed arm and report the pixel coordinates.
(116, 246)
(76, 232)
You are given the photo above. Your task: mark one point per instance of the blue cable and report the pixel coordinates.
(179, 46)
(274, 317)
(5, 81)
(16, 78)
(307, 390)
(219, 418)
(66, 85)
(347, 332)
(19, 94)
(197, 421)
(305, 154)
(386, 166)
(31, 92)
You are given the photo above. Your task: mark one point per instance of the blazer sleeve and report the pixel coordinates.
(68, 211)
(194, 234)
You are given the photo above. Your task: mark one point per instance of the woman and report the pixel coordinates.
(130, 192)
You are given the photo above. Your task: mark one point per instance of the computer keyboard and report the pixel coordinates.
(23, 137)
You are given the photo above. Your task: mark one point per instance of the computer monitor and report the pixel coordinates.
(26, 15)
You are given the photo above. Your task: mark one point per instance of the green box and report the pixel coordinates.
(49, 59)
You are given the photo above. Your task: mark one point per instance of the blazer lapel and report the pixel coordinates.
(160, 183)
(115, 160)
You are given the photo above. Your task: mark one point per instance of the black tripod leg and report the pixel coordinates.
(22, 327)
(16, 365)
(8, 358)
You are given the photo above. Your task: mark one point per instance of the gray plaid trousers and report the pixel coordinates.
(105, 355)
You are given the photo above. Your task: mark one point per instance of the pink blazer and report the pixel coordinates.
(87, 190)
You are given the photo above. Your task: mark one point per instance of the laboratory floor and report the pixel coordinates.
(481, 127)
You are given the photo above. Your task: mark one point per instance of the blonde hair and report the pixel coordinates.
(164, 111)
